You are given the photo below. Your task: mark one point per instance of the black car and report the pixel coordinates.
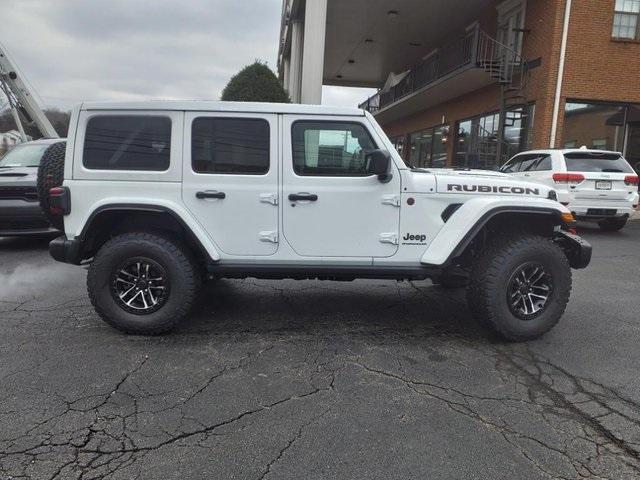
(20, 212)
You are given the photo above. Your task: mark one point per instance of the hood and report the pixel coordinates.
(478, 182)
(18, 176)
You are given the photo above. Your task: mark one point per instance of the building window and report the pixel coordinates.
(477, 138)
(625, 19)
(399, 143)
(333, 149)
(428, 148)
(230, 146)
(599, 125)
(123, 142)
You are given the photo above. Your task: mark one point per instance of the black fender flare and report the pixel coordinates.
(488, 216)
(136, 207)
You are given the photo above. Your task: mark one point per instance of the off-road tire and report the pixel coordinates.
(180, 267)
(612, 224)
(490, 278)
(51, 174)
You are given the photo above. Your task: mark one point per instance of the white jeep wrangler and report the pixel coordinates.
(160, 196)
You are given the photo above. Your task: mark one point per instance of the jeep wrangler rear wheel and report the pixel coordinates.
(520, 286)
(143, 283)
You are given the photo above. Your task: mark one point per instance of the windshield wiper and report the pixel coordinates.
(611, 170)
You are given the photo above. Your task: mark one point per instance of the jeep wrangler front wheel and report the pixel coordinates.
(520, 286)
(143, 283)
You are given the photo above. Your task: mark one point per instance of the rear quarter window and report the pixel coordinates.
(127, 142)
(597, 162)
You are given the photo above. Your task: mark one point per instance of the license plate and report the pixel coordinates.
(603, 185)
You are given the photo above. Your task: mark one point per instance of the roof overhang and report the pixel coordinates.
(368, 39)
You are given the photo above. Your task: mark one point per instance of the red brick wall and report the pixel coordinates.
(597, 67)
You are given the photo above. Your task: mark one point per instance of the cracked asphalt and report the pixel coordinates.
(318, 380)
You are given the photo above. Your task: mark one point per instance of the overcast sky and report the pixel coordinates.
(75, 50)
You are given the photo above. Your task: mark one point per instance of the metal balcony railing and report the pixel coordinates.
(475, 49)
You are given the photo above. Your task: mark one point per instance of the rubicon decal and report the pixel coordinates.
(452, 187)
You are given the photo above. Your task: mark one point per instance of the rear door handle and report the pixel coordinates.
(204, 195)
(310, 197)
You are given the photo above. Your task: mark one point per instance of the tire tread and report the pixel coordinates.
(186, 262)
(485, 277)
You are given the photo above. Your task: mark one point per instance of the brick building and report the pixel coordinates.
(471, 82)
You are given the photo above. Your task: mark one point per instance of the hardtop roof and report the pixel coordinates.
(215, 106)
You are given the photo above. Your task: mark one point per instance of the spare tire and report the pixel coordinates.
(51, 174)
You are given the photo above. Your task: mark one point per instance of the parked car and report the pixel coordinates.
(20, 212)
(158, 196)
(595, 185)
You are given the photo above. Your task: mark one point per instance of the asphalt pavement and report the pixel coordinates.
(318, 380)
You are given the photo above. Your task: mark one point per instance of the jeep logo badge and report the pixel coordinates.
(414, 239)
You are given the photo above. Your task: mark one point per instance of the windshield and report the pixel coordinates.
(24, 156)
(597, 162)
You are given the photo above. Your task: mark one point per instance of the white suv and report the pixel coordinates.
(595, 185)
(158, 196)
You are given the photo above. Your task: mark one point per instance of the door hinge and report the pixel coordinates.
(269, 237)
(271, 198)
(391, 238)
(393, 200)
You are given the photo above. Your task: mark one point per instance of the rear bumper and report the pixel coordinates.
(600, 213)
(577, 249)
(585, 208)
(66, 251)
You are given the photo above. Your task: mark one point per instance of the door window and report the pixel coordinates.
(330, 148)
(230, 146)
(510, 24)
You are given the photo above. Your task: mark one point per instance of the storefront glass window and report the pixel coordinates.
(600, 126)
(428, 148)
(399, 143)
(477, 138)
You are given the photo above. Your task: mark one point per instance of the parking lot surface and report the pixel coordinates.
(318, 380)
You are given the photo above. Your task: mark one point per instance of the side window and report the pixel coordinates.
(127, 142)
(230, 145)
(330, 148)
(529, 163)
(544, 163)
(512, 165)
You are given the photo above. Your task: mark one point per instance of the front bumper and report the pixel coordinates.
(577, 249)
(66, 251)
(19, 217)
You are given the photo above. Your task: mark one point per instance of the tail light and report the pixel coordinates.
(59, 201)
(631, 180)
(568, 178)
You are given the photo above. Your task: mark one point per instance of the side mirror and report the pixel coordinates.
(379, 163)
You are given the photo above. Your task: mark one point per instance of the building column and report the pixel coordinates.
(315, 26)
(295, 66)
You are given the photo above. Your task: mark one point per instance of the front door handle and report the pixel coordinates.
(204, 195)
(310, 197)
